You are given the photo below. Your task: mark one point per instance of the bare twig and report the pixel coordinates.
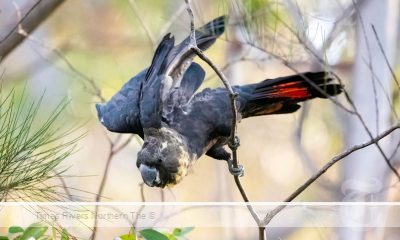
(30, 21)
(91, 86)
(88, 83)
(141, 207)
(23, 29)
(233, 140)
(328, 165)
(370, 67)
(101, 188)
(388, 98)
(113, 144)
(113, 150)
(94, 88)
(168, 24)
(375, 141)
(235, 61)
(124, 144)
(353, 111)
(132, 4)
(233, 144)
(65, 187)
(385, 56)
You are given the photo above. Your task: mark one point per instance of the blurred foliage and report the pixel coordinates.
(36, 231)
(267, 25)
(152, 234)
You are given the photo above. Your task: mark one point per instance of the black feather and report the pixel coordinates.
(192, 80)
(151, 102)
(159, 59)
(207, 35)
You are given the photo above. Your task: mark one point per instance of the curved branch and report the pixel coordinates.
(328, 165)
(233, 143)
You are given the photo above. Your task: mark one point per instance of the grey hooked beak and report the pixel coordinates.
(150, 175)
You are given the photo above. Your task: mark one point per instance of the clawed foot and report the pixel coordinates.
(235, 145)
(235, 171)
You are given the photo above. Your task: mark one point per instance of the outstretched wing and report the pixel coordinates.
(185, 77)
(180, 58)
(122, 112)
(172, 77)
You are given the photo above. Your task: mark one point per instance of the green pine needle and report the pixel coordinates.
(31, 151)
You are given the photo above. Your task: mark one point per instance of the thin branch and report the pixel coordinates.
(385, 56)
(88, 83)
(30, 21)
(95, 89)
(353, 111)
(101, 188)
(233, 140)
(141, 207)
(235, 61)
(370, 67)
(23, 31)
(388, 98)
(169, 23)
(192, 30)
(124, 144)
(146, 29)
(113, 151)
(328, 165)
(64, 186)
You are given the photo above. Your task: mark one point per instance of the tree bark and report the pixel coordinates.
(31, 16)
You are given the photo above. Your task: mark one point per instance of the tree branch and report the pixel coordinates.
(233, 140)
(30, 21)
(353, 111)
(113, 150)
(146, 29)
(328, 165)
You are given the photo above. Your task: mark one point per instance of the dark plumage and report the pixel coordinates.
(179, 126)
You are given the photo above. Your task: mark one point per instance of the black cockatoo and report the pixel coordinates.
(178, 125)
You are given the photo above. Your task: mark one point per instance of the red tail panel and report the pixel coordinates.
(292, 90)
(282, 95)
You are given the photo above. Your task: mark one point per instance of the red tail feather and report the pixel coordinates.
(292, 90)
(282, 95)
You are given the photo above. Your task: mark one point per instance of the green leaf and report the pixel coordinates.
(64, 234)
(182, 231)
(44, 238)
(15, 232)
(32, 147)
(15, 229)
(130, 236)
(3, 238)
(151, 234)
(54, 233)
(35, 230)
(170, 236)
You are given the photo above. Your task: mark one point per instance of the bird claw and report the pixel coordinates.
(236, 143)
(235, 171)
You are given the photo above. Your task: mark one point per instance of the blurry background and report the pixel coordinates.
(84, 45)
